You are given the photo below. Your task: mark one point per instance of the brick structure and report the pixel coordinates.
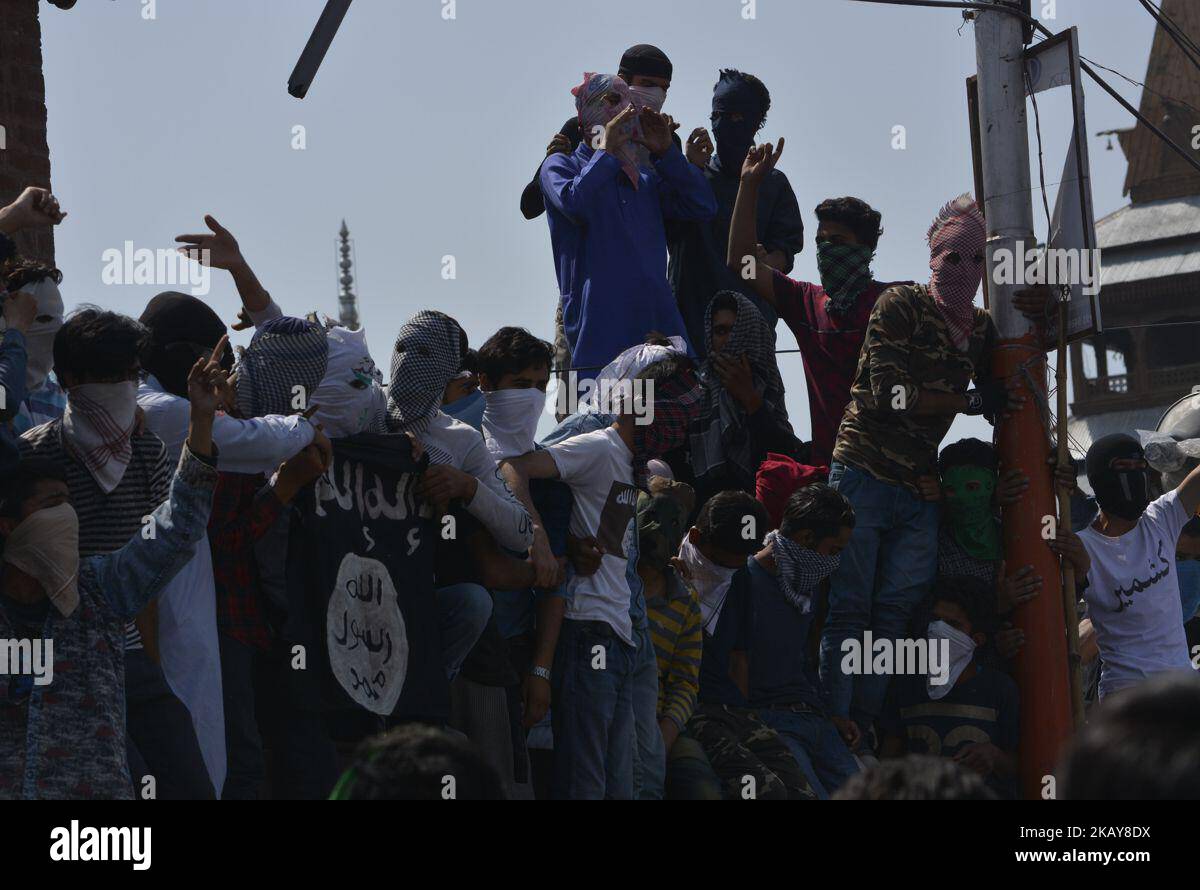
(25, 156)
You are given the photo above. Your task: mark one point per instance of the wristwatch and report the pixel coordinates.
(538, 671)
(974, 402)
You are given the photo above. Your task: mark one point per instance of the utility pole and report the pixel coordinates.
(1041, 668)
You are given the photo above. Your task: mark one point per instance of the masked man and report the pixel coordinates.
(962, 708)
(924, 345)
(775, 230)
(42, 399)
(63, 733)
(198, 628)
(117, 473)
(742, 417)
(829, 320)
(648, 71)
(606, 214)
(606, 474)
(748, 757)
(1127, 554)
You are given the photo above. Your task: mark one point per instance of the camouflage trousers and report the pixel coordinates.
(749, 757)
(562, 357)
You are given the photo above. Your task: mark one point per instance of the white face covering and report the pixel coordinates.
(961, 650)
(45, 546)
(97, 425)
(510, 420)
(710, 580)
(350, 398)
(39, 338)
(648, 97)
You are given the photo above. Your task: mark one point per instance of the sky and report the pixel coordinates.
(422, 128)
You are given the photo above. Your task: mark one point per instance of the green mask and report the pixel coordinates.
(662, 522)
(972, 521)
(845, 273)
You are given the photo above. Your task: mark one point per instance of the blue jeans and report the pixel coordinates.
(815, 743)
(463, 612)
(592, 713)
(886, 570)
(650, 758)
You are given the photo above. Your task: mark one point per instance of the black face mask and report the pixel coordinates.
(1123, 493)
(734, 139)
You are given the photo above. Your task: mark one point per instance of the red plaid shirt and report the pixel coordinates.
(244, 509)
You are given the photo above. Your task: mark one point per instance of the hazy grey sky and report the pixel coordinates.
(422, 131)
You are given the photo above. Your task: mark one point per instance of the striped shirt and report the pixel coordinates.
(108, 521)
(675, 628)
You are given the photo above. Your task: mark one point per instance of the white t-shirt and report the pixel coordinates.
(598, 466)
(1133, 596)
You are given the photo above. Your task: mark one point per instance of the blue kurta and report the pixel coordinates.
(610, 247)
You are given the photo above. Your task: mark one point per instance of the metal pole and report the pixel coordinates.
(318, 44)
(1070, 612)
(1023, 439)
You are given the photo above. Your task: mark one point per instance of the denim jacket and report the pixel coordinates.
(67, 739)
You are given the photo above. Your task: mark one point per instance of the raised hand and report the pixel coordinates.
(33, 207)
(206, 382)
(699, 147)
(656, 131)
(616, 132)
(760, 161)
(218, 249)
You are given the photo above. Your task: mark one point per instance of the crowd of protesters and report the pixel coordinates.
(656, 599)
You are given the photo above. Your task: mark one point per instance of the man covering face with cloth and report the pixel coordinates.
(924, 346)
(774, 232)
(606, 216)
(742, 416)
(828, 318)
(1127, 554)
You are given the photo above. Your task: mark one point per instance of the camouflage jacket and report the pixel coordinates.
(908, 350)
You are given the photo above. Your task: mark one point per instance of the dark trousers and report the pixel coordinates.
(160, 740)
(302, 754)
(241, 667)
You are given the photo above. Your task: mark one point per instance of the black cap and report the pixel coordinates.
(646, 60)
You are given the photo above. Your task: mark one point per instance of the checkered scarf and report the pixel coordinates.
(282, 367)
(845, 271)
(97, 426)
(721, 435)
(428, 352)
(958, 228)
(677, 401)
(800, 570)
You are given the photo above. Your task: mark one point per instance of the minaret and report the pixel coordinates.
(347, 301)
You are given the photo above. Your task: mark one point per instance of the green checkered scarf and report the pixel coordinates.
(845, 273)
